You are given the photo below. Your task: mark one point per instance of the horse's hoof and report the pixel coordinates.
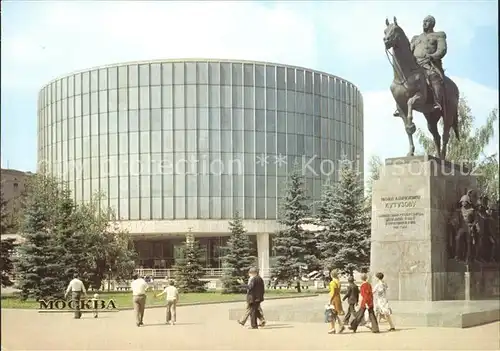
(411, 128)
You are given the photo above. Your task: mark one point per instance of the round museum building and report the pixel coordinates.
(182, 145)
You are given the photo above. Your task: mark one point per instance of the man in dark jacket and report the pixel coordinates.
(255, 295)
(352, 297)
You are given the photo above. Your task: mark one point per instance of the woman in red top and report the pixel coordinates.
(366, 293)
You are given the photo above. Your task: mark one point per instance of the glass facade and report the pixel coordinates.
(164, 253)
(197, 139)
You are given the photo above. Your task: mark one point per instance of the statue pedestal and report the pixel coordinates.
(410, 211)
(475, 281)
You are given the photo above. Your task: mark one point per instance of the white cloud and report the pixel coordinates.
(385, 135)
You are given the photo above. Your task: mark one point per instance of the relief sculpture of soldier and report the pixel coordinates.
(473, 230)
(463, 227)
(487, 242)
(429, 48)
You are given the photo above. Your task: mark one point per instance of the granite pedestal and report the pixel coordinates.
(411, 244)
(411, 237)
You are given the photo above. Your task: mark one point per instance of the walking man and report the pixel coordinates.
(352, 297)
(139, 288)
(172, 299)
(255, 296)
(248, 310)
(76, 288)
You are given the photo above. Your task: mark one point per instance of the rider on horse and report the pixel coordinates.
(429, 48)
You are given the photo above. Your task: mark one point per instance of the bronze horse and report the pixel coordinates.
(411, 90)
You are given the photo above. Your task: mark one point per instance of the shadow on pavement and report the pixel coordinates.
(277, 326)
(167, 325)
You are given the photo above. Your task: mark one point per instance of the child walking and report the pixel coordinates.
(94, 304)
(172, 300)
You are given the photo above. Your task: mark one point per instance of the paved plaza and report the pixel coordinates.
(207, 328)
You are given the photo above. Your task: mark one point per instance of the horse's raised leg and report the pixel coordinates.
(411, 151)
(447, 125)
(409, 125)
(432, 125)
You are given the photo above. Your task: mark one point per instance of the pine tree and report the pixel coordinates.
(238, 259)
(345, 243)
(189, 270)
(38, 266)
(289, 242)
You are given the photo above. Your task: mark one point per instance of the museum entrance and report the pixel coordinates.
(165, 252)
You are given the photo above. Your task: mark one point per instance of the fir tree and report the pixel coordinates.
(238, 259)
(39, 266)
(189, 270)
(289, 241)
(345, 243)
(72, 237)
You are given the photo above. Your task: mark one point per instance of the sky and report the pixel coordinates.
(43, 40)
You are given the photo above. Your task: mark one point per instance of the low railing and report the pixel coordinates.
(214, 274)
(162, 273)
(168, 273)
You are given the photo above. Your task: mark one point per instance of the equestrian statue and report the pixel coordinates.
(419, 82)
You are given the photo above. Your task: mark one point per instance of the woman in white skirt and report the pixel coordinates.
(380, 300)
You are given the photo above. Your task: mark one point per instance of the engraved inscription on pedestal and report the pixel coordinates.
(400, 220)
(397, 212)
